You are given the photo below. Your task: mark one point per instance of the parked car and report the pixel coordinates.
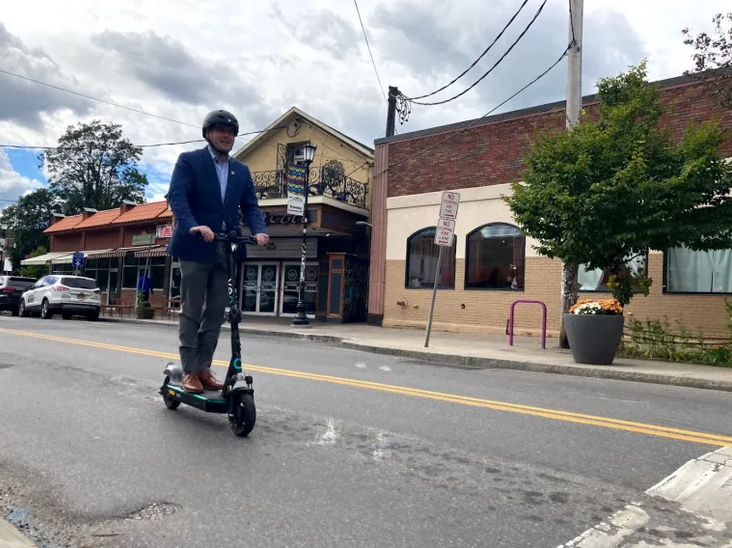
(11, 288)
(67, 295)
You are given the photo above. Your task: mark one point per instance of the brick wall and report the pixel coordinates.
(66, 242)
(157, 299)
(488, 311)
(103, 239)
(492, 153)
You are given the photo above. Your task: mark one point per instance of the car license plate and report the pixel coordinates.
(81, 297)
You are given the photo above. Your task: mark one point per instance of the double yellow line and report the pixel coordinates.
(578, 418)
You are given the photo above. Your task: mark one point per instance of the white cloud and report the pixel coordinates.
(13, 184)
(260, 58)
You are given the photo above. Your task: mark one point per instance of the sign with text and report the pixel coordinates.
(296, 190)
(77, 260)
(445, 232)
(164, 231)
(143, 239)
(449, 205)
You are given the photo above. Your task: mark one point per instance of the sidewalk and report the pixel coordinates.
(10, 537)
(477, 351)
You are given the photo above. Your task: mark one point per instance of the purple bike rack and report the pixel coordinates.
(543, 321)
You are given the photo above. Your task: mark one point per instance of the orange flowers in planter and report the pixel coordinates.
(611, 307)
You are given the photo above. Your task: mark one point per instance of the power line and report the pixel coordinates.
(368, 46)
(505, 28)
(66, 90)
(471, 124)
(151, 145)
(538, 12)
(97, 99)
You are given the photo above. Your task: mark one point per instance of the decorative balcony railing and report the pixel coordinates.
(324, 181)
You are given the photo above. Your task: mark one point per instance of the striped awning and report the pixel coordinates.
(57, 257)
(158, 251)
(112, 253)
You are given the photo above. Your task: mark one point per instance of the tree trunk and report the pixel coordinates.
(570, 288)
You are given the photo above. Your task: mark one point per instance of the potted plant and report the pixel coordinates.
(142, 309)
(595, 329)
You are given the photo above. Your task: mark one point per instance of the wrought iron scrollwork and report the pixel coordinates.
(269, 184)
(330, 180)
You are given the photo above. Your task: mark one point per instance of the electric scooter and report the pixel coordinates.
(236, 398)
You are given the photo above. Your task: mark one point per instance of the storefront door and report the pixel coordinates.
(290, 283)
(112, 285)
(259, 288)
(174, 281)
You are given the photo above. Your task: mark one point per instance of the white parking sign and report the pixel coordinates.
(445, 232)
(449, 206)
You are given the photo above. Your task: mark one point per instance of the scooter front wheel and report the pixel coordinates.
(244, 415)
(170, 402)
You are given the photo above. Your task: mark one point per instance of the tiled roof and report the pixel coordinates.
(67, 223)
(141, 212)
(100, 218)
(111, 217)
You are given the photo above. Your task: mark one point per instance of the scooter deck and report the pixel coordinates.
(209, 401)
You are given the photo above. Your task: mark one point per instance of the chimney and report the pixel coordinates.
(125, 206)
(88, 212)
(56, 217)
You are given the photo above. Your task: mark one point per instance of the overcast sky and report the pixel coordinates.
(180, 59)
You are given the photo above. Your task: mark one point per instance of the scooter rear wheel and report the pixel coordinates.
(170, 403)
(244, 415)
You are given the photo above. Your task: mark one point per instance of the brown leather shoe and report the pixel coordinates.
(208, 380)
(192, 384)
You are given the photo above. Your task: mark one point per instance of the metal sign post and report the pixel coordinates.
(77, 261)
(444, 237)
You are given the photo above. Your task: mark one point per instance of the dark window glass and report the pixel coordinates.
(422, 255)
(496, 258)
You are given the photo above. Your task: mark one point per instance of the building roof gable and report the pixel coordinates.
(290, 115)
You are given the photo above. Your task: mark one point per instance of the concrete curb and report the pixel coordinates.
(10, 537)
(479, 363)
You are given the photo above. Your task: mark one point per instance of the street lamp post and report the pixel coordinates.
(301, 319)
(4, 229)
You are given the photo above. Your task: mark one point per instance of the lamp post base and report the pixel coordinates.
(301, 319)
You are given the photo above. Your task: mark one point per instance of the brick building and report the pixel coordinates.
(492, 264)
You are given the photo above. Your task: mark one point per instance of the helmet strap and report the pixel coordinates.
(218, 152)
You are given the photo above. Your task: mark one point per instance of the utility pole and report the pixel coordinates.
(391, 112)
(573, 111)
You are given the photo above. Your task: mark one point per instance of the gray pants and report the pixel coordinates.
(204, 295)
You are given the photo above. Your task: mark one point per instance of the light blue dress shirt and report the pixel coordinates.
(222, 170)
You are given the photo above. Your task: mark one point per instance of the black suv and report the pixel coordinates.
(11, 288)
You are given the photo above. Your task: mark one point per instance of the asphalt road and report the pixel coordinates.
(350, 448)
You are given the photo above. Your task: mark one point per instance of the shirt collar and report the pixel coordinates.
(214, 155)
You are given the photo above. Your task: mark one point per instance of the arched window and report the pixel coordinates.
(495, 257)
(422, 261)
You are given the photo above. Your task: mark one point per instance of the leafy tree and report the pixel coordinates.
(35, 271)
(714, 53)
(615, 186)
(27, 220)
(94, 166)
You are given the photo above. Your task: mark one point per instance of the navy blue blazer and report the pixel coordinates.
(195, 199)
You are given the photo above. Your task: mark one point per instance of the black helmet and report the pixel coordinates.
(220, 118)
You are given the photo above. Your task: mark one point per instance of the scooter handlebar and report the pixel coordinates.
(234, 237)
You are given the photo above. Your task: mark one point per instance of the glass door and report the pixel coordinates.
(112, 284)
(290, 285)
(259, 288)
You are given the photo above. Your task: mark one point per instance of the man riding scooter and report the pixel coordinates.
(207, 189)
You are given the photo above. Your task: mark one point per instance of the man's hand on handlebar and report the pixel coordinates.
(205, 232)
(262, 239)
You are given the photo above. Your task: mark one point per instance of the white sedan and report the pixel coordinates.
(59, 293)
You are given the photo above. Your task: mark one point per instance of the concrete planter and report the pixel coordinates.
(594, 339)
